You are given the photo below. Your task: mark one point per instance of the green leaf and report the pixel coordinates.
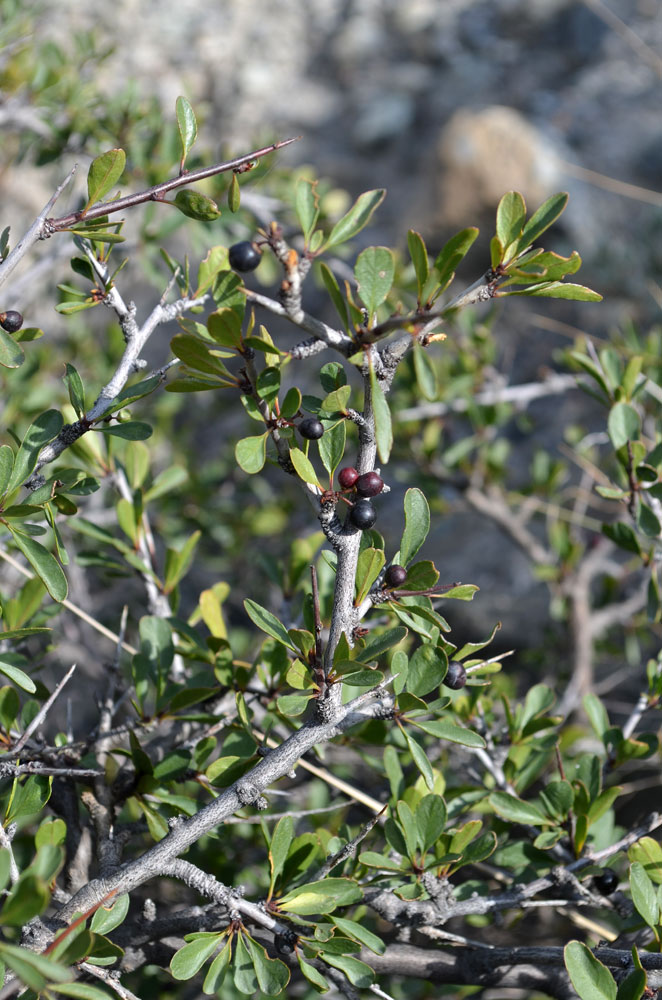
(633, 986)
(33, 969)
(272, 974)
(464, 592)
(357, 932)
(315, 978)
(378, 644)
(649, 853)
(6, 466)
(368, 568)
(321, 897)
(449, 731)
(47, 426)
(358, 973)
(195, 205)
(333, 289)
(623, 535)
(80, 991)
(89, 232)
(187, 125)
(644, 895)
(557, 290)
(107, 918)
(103, 174)
(28, 898)
(647, 521)
(234, 194)
(542, 219)
(306, 205)
(130, 430)
(303, 466)
(539, 699)
(279, 847)
(426, 376)
(591, 979)
(11, 353)
(374, 272)
(511, 215)
(43, 563)
(515, 810)
(245, 979)
(373, 860)
(419, 256)
(420, 759)
(188, 960)
(332, 447)
(417, 524)
(354, 221)
(451, 254)
(557, 797)
(382, 414)
(268, 623)
(427, 668)
(430, 818)
(251, 453)
(29, 798)
(217, 970)
(623, 424)
(597, 714)
(15, 674)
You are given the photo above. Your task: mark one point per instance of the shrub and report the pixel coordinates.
(296, 715)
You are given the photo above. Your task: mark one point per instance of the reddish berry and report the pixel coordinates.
(244, 256)
(363, 515)
(11, 321)
(369, 484)
(456, 676)
(606, 882)
(395, 575)
(347, 477)
(311, 428)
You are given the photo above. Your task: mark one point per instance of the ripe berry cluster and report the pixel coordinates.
(362, 514)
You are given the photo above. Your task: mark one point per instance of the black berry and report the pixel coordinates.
(363, 515)
(456, 677)
(369, 484)
(244, 256)
(311, 428)
(347, 477)
(395, 575)
(606, 881)
(11, 321)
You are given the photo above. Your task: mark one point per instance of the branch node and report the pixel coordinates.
(247, 793)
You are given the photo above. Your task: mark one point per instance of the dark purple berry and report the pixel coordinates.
(606, 882)
(11, 321)
(311, 428)
(456, 677)
(395, 575)
(363, 515)
(347, 477)
(244, 256)
(369, 484)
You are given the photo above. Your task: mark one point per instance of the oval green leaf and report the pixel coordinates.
(187, 125)
(43, 563)
(103, 174)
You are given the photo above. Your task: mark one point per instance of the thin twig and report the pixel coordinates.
(156, 193)
(33, 234)
(44, 710)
